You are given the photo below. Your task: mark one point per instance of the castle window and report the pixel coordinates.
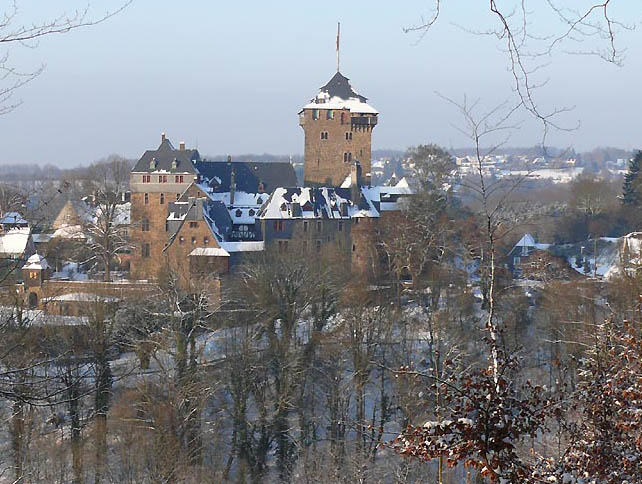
(145, 225)
(193, 225)
(147, 178)
(349, 157)
(178, 179)
(329, 114)
(162, 178)
(319, 226)
(146, 250)
(324, 135)
(166, 227)
(181, 240)
(343, 117)
(206, 240)
(348, 136)
(318, 246)
(305, 226)
(345, 157)
(193, 240)
(146, 198)
(315, 114)
(174, 164)
(162, 198)
(340, 226)
(354, 248)
(278, 226)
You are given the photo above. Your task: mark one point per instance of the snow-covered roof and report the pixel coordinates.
(69, 232)
(14, 241)
(526, 241)
(13, 218)
(36, 262)
(339, 94)
(210, 252)
(81, 297)
(242, 246)
(314, 203)
(121, 215)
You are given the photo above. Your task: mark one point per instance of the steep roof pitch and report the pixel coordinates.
(339, 86)
(164, 157)
(316, 203)
(339, 94)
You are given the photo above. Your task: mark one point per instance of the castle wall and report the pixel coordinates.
(325, 163)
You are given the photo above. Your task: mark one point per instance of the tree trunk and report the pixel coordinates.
(17, 439)
(103, 392)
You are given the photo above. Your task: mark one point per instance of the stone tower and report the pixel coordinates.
(338, 126)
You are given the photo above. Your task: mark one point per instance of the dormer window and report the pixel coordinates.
(329, 114)
(152, 164)
(174, 164)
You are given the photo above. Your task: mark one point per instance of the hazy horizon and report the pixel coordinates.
(224, 80)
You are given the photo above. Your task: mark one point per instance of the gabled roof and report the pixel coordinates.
(13, 218)
(526, 241)
(214, 214)
(164, 156)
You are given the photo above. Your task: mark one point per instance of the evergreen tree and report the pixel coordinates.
(631, 194)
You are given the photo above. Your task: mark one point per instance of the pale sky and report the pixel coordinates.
(230, 77)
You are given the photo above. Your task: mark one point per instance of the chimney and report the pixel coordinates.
(232, 187)
(355, 182)
(162, 137)
(181, 146)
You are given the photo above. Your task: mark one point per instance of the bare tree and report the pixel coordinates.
(587, 29)
(13, 32)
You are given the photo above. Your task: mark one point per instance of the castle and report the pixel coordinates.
(200, 218)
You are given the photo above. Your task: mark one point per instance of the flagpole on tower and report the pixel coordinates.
(338, 36)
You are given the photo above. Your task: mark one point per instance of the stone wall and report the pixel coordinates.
(325, 164)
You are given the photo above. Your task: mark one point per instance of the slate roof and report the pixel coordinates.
(247, 175)
(316, 203)
(215, 215)
(339, 86)
(13, 218)
(164, 155)
(339, 94)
